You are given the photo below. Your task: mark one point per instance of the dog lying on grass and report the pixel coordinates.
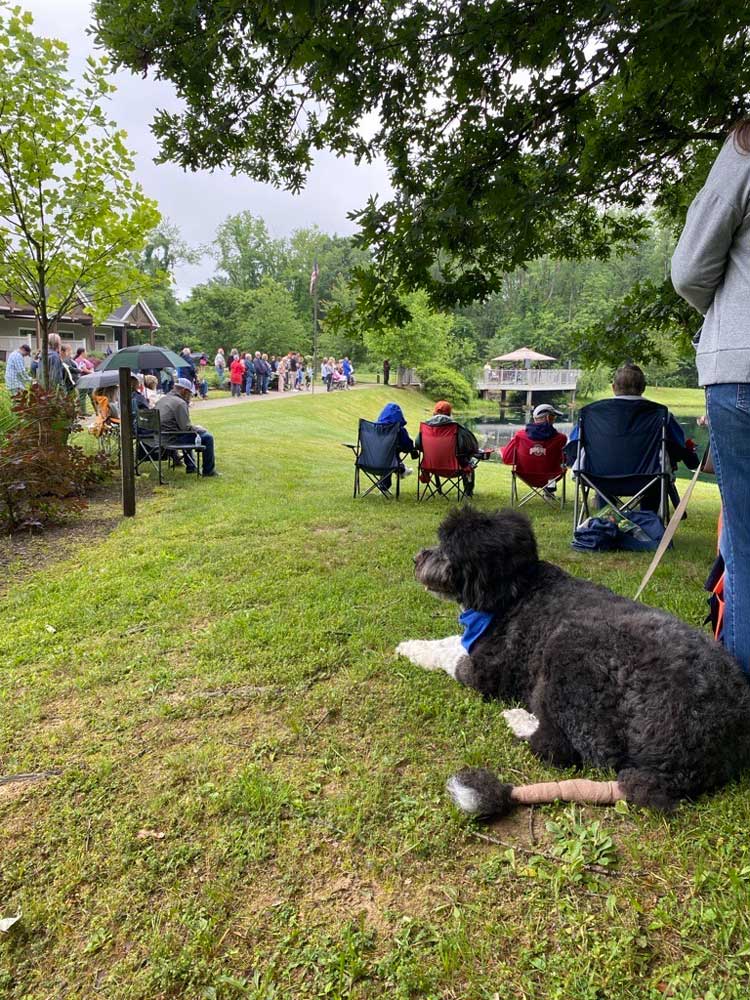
(610, 683)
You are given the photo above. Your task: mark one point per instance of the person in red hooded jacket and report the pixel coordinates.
(540, 447)
(236, 376)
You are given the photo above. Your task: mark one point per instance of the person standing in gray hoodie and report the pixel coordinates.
(711, 271)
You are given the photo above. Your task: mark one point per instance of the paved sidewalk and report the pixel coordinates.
(211, 404)
(197, 405)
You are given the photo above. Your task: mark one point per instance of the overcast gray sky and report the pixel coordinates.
(198, 202)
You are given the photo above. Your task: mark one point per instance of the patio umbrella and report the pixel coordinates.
(98, 380)
(524, 354)
(143, 356)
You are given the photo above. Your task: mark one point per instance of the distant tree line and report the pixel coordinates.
(259, 298)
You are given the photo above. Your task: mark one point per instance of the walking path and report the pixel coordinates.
(210, 404)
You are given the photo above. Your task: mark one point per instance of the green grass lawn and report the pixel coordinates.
(251, 803)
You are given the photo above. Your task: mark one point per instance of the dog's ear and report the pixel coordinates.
(492, 555)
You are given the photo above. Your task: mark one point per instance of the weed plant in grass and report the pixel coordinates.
(251, 801)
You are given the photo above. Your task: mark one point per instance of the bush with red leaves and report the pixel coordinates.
(42, 477)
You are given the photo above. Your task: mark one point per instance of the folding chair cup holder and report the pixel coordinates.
(621, 456)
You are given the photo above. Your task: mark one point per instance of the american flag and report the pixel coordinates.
(314, 278)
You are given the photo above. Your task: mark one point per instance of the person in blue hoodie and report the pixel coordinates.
(393, 414)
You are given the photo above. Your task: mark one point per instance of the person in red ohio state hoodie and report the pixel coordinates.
(538, 448)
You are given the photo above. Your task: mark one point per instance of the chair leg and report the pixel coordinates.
(513, 489)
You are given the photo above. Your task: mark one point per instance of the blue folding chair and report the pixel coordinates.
(377, 457)
(622, 456)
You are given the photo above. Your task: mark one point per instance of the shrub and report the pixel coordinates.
(7, 417)
(441, 382)
(42, 477)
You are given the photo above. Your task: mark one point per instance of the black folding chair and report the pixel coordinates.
(148, 443)
(622, 456)
(185, 443)
(377, 457)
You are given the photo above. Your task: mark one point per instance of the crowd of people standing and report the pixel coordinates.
(257, 374)
(253, 373)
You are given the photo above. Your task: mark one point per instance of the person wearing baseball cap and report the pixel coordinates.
(175, 419)
(540, 448)
(547, 411)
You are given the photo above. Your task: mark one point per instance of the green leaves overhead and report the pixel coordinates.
(511, 129)
(71, 218)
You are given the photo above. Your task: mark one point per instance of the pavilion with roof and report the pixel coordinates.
(520, 371)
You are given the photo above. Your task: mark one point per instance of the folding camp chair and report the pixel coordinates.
(541, 470)
(621, 455)
(376, 456)
(148, 442)
(440, 472)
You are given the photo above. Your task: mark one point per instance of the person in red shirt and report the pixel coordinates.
(538, 449)
(236, 376)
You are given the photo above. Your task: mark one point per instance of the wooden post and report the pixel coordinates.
(127, 461)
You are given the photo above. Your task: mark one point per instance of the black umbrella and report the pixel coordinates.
(143, 356)
(98, 380)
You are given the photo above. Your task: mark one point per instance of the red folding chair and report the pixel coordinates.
(540, 466)
(439, 472)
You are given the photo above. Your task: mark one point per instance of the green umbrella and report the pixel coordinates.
(143, 356)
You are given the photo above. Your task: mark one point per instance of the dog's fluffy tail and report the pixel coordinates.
(478, 792)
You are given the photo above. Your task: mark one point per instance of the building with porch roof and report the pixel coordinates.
(76, 327)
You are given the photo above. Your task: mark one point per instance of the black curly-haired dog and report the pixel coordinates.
(612, 683)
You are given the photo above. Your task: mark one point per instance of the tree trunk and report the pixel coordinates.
(43, 322)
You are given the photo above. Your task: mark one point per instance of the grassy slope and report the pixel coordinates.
(222, 672)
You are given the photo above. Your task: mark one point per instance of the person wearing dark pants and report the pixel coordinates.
(175, 424)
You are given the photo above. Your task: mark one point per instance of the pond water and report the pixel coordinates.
(494, 431)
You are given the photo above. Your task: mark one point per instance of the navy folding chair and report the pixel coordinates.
(377, 458)
(622, 456)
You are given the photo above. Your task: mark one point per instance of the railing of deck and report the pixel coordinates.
(529, 378)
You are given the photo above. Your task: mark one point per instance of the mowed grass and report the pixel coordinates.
(250, 801)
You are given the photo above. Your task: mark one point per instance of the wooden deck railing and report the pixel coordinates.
(529, 378)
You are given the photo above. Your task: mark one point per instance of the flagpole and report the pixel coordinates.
(315, 327)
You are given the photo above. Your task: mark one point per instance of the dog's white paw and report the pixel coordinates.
(434, 654)
(521, 723)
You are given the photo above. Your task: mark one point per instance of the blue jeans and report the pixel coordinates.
(207, 440)
(220, 374)
(728, 408)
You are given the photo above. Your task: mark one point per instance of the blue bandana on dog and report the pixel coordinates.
(475, 624)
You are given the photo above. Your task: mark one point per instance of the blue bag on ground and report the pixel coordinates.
(596, 534)
(646, 533)
(640, 531)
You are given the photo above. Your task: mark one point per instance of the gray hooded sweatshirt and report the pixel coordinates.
(711, 267)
